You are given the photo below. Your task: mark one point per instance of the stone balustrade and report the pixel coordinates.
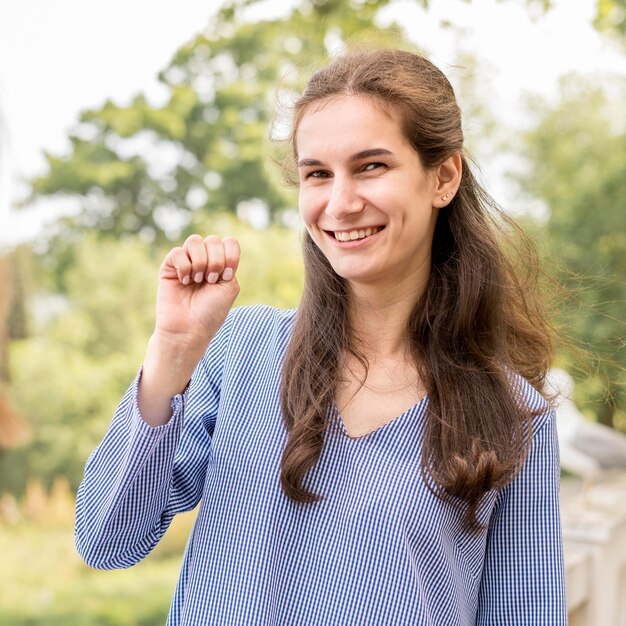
(594, 534)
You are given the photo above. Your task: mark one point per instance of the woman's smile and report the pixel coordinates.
(354, 235)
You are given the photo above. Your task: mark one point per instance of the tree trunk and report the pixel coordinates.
(13, 430)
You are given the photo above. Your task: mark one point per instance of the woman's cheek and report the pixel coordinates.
(307, 208)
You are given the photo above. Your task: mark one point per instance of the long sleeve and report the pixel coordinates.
(523, 580)
(139, 477)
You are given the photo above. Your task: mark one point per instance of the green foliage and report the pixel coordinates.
(143, 168)
(611, 18)
(44, 582)
(577, 158)
(67, 377)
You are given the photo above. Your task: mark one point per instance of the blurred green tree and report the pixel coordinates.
(611, 18)
(83, 348)
(146, 169)
(576, 155)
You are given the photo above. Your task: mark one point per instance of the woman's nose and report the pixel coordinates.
(344, 199)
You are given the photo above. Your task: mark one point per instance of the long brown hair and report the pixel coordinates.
(479, 319)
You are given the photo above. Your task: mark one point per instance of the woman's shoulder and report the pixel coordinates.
(260, 316)
(532, 400)
(248, 331)
(250, 322)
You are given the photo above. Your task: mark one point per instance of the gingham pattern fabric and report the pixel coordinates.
(379, 549)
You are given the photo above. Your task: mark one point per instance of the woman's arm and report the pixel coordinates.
(523, 581)
(140, 476)
(148, 467)
(197, 288)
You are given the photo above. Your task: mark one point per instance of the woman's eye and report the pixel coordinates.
(317, 174)
(372, 166)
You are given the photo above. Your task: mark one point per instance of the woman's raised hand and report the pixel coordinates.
(197, 288)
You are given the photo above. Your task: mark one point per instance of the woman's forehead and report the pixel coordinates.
(345, 117)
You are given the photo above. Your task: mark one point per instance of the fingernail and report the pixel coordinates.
(212, 277)
(198, 277)
(185, 280)
(227, 274)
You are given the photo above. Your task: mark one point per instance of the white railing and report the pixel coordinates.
(594, 532)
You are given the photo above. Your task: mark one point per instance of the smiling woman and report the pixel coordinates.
(382, 455)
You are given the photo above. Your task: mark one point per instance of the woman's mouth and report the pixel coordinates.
(356, 234)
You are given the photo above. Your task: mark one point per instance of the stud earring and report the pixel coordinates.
(447, 195)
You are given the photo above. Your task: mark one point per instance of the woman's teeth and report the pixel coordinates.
(353, 235)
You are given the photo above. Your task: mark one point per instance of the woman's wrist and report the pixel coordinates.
(167, 369)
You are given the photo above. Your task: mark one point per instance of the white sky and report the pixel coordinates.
(60, 57)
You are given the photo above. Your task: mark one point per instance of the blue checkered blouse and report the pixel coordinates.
(379, 549)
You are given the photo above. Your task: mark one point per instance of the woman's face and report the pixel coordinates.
(364, 196)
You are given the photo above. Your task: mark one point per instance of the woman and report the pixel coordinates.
(380, 456)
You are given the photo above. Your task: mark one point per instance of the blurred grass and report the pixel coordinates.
(43, 580)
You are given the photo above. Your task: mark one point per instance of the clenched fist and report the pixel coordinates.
(197, 287)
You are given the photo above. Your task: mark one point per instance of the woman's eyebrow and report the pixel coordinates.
(364, 154)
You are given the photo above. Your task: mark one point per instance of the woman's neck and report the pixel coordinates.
(379, 318)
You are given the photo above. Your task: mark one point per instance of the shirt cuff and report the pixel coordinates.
(177, 403)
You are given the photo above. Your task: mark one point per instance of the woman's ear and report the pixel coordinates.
(448, 180)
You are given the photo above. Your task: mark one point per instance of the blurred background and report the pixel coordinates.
(124, 127)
